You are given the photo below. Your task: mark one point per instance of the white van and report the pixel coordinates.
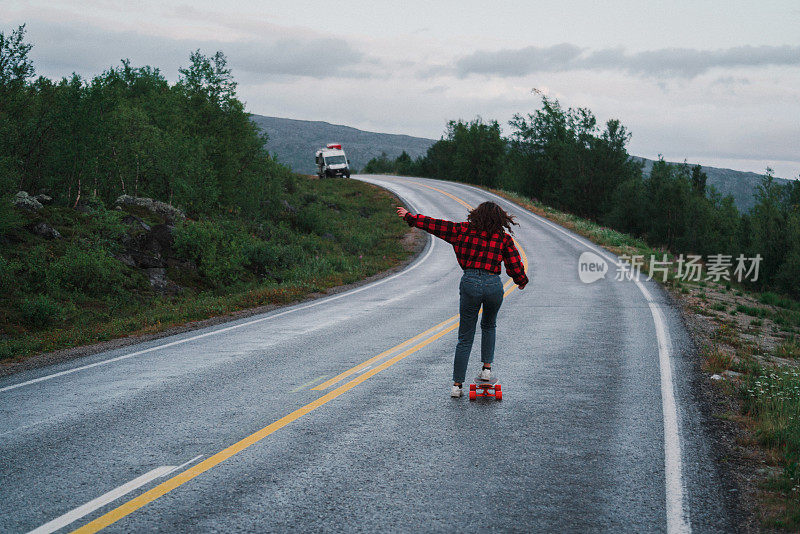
(332, 161)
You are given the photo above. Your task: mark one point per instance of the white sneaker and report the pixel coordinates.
(485, 374)
(456, 392)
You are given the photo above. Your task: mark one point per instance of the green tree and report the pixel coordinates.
(403, 164)
(561, 157)
(478, 151)
(15, 108)
(768, 224)
(379, 165)
(699, 179)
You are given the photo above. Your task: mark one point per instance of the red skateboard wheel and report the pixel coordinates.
(472, 394)
(497, 387)
(498, 394)
(472, 387)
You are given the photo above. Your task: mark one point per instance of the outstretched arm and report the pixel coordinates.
(441, 228)
(514, 267)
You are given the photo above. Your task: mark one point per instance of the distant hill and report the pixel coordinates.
(294, 142)
(740, 185)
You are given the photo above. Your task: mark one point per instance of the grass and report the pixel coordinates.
(789, 349)
(774, 299)
(772, 400)
(73, 291)
(752, 310)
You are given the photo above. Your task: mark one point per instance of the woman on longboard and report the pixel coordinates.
(481, 243)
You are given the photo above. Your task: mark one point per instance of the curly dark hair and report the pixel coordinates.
(492, 218)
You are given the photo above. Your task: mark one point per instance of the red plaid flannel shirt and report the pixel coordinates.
(475, 250)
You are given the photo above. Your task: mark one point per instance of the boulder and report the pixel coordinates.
(159, 281)
(126, 259)
(44, 199)
(169, 212)
(146, 261)
(136, 223)
(22, 200)
(43, 229)
(159, 240)
(158, 278)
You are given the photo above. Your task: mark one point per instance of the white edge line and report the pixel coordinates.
(184, 464)
(416, 264)
(677, 515)
(91, 506)
(309, 383)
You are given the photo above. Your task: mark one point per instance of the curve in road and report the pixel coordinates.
(598, 428)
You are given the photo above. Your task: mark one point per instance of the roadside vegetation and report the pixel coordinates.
(558, 163)
(129, 205)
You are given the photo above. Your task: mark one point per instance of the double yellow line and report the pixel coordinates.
(407, 348)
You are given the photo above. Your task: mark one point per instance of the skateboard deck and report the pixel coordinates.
(485, 388)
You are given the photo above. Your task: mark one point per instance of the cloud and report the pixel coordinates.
(60, 49)
(518, 62)
(662, 63)
(315, 58)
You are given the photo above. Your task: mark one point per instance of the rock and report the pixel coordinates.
(731, 374)
(183, 265)
(43, 229)
(159, 240)
(135, 222)
(44, 199)
(364, 212)
(24, 201)
(159, 281)
(126, 259)
(289, 207)
(716, 377)
(158, 278)
(169, 212)
(146, 261)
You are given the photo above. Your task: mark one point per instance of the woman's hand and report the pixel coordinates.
(401, 211)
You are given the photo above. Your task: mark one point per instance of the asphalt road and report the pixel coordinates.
(597, 431)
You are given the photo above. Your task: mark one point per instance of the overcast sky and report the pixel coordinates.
(715, 82)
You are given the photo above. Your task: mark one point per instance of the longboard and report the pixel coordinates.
(485, 388)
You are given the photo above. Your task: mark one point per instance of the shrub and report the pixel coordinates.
(39, 311)
(265, 256)
(93, 272)
(7, 276)
(218, 249)
(9, 218)
(311, 218)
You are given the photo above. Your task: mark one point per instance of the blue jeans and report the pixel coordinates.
(478, 287)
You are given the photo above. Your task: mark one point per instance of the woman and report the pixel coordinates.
(480, 243)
